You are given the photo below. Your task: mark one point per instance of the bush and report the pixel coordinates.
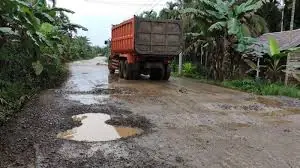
(190, 70)
(246, 85)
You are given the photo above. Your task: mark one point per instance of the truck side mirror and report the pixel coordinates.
(106, 42)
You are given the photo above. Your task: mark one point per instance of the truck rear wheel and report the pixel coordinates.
(112, 71)
(167, 72)
(157, 73)
(121, 69)
(127, 71)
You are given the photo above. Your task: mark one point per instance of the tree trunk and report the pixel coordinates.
(282, 20)
(293, 15)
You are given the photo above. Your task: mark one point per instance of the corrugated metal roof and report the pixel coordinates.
(286, 39)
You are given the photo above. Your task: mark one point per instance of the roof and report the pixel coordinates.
(286, 39)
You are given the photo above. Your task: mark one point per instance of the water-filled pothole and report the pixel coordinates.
(94, 128)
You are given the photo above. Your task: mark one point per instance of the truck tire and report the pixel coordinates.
(112, 71)
(127, 71)
(121, 69)
(135, 75)
(167, 72)
(157, 73)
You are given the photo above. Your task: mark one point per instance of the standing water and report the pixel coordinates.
(94, 128)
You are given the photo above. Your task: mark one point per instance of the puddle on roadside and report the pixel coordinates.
(94, 128)
(88, 99)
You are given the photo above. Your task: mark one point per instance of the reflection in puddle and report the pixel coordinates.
(89, 99)
(94, 128)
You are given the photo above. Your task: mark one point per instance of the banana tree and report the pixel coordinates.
(36, 26)
(231, 24)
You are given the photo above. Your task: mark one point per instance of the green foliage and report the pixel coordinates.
(228, 29)
(35, 42)
(274, 46)
(246, 85)
(274, 63)
(280, 89)
(190, 70)
(149, 15)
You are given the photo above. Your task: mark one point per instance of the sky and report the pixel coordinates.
(99, 15)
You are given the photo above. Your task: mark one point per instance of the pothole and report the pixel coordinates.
(119, 90)
(88, 99)
(94, 129)
(100, 91)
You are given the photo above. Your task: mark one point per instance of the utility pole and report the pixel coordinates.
(258, 67)
(282, 5)
(180, 64)
(282, 20)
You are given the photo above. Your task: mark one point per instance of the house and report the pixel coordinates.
(287, 40)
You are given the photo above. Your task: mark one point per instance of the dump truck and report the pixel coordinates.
(144, 46)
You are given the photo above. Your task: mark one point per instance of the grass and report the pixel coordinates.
(264, 88)
(247, 85)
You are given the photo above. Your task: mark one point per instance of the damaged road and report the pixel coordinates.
(180, 123)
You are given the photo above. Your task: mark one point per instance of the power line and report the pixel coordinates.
(154, 4)
(157, 3)
(141, 9)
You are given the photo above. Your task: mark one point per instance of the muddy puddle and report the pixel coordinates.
(94, 129)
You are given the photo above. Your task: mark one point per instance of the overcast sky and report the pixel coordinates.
(99, 15)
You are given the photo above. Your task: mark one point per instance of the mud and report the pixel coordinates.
(185, 124)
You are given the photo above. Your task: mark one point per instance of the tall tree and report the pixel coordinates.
(293, 15)
(272, 14)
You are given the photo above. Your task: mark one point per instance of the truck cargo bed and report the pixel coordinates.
(147, 37)
(154, 37)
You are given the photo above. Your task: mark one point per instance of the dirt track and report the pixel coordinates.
(185, 123)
